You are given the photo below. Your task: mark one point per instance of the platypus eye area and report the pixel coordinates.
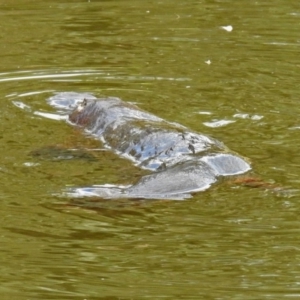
(82, 105)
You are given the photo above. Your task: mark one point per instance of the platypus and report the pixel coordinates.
(182, 161)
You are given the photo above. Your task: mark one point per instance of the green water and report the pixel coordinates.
(173, 59)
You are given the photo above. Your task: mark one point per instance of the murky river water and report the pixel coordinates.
(175, 60)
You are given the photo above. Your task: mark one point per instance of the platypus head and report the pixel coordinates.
(79, 115)
(90, 112)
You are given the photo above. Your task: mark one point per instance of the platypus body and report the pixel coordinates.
(182, 161)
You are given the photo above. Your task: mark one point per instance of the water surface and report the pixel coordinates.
(177, 61)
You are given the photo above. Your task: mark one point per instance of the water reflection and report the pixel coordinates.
(47, 74)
